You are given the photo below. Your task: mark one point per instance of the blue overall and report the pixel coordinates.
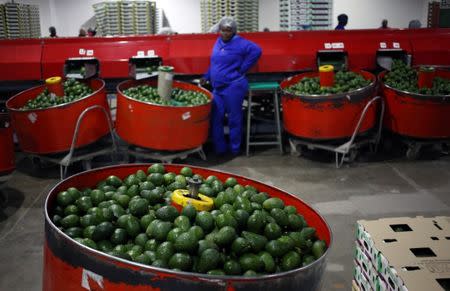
(229, 63)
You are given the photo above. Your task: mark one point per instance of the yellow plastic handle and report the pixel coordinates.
(204, 204)
(326, 68)
(53, 80)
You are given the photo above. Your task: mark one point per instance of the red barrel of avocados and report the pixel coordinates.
(50, 130)
(327, 117)
(416, 115)
(7, 160)
(162, 127)
(69, 265)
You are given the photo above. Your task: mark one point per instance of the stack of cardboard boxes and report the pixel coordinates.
(402, 254)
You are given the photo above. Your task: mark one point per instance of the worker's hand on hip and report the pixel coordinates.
(203, 81)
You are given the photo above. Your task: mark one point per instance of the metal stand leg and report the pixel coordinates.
(345, 148)
(66, 161)
(277, 120)
(201, 153)
(348, 150)
(249, 116)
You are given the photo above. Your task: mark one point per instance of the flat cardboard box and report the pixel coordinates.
(397, 231)
(408, 253)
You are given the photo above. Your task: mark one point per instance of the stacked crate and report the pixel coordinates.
(35, 23)
(12, 20)
(3, 30)
(107, 15)
(245, 12)
(24, 20)
(145, 17)
(126, 17)
(402, 254)
(305, 14)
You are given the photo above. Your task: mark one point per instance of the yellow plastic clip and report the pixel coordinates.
(180, 197)
(53, 80)
(326, 68)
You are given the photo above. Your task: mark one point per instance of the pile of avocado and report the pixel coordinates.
(179, 97)
(73, 90)
(403, 77)
(151, 69)
(247, 233)
(343, 82)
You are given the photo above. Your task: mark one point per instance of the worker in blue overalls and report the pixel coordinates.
(232, 56)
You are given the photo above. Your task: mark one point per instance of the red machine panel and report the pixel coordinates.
(20, 59)
(113, 53)
(430, 46)
(189, 53)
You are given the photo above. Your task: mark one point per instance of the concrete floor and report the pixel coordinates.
(373, 187)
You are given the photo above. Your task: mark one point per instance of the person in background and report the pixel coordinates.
(266, 29)
(384, 24)
(82, 32)
(342, 22)
(414, 24)
(52, 31)
(91, 31)
(166, 30)
(232, 56)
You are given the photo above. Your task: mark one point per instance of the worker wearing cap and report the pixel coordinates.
(232, 56)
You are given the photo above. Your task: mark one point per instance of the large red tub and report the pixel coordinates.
(159, 127)
(7, 161)
(416, 115)
(327, 117)
(50, 130)
(69, 265)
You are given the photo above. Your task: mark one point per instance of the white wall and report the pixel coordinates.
(184, 15)
(269, 15)
(370, 13)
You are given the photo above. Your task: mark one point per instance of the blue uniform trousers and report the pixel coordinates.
(228, 99)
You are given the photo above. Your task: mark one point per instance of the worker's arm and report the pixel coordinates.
(253, 52)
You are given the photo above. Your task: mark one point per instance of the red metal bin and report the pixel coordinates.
(50, 130)
(69, 265)
(160, 127)
(416, 115)
(327, 117)
(7, 160)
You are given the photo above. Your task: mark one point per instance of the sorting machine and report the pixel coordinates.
(284, 54)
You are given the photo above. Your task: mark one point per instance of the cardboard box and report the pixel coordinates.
(361, 279)
(355, 286)
(405, 253)
(397, 231)
(370, 272)
(423, 279)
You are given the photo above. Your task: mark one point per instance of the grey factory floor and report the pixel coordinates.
(384, 185)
